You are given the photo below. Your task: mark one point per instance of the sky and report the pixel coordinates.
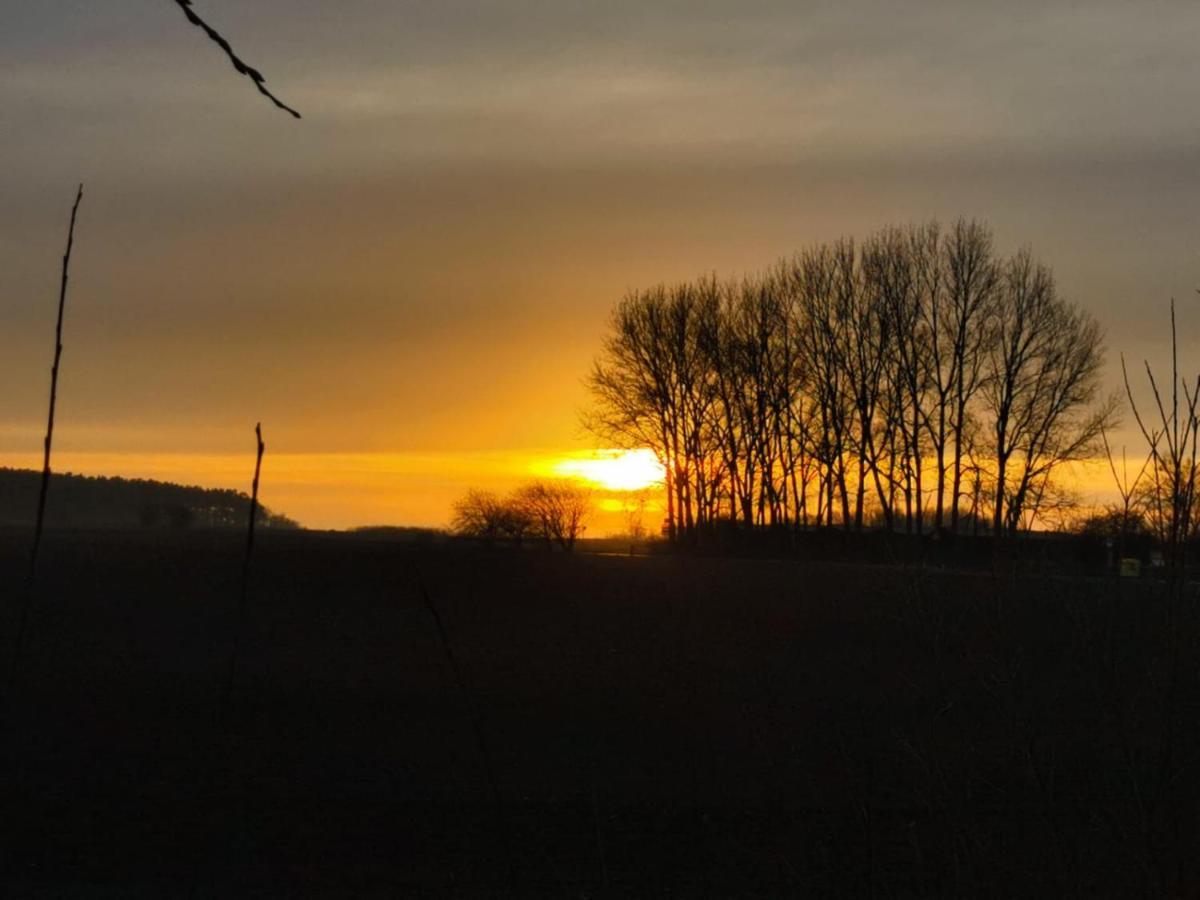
(408, 286)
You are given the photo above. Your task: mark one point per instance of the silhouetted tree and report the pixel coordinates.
(482, 514)
(1173, 439)
(640, 389)
(558, 509)
(896, 378)
(1043, 378)
(1125, 518)
(973, 284)
(478, 514)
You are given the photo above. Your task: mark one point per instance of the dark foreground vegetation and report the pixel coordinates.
(609, 726)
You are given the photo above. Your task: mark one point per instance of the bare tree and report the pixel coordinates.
(483, 514)
(870, 352)
(973, 281)
(1173, 443)
(1044, 370)
(891, 379)
(753, 367)
(653, 388)
(632, 387)
(1127, 516)
(559, 509)
(894, 261)
(478, 514)
(820, 279)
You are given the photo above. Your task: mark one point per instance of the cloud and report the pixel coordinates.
(406, 84)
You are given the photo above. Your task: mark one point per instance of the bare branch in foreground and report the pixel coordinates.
(240, 625)
(39, 521)
(58, 349)
(241, 66)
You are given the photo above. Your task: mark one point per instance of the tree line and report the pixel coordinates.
(81, 501)
(916, 379)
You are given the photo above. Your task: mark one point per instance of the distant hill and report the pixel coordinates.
(84, 501)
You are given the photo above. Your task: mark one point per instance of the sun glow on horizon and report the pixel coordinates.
(613, 470)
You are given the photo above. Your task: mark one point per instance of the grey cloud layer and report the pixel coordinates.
(384, 83)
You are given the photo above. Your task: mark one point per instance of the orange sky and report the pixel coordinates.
(343, 490)
(408, 286)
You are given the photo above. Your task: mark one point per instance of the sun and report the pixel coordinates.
(614, 470)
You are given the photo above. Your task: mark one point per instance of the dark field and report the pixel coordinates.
(653, 726)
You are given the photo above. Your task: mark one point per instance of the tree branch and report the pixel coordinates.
(241, 66)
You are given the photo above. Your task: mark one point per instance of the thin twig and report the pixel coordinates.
(39, 521)
(58, 349)
(239, 627)
(240, 65)
(500, 808)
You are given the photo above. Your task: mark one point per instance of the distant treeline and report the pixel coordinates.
(916, 380)
(83, 501)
